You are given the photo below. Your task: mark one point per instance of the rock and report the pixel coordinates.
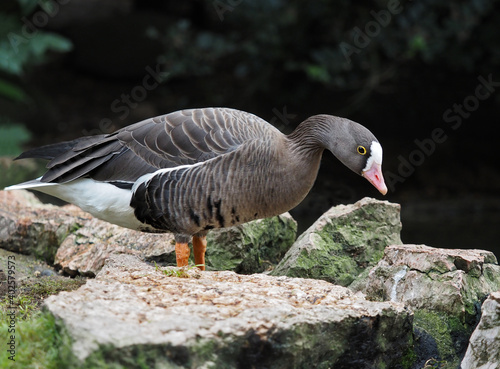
(443, 287)
(68, 237)
(248, 248)
(85, 250)
(182, 318)
(423, 277)
(79, 244)
(25, 281)
(343, 242)
(484, 348)
(251, 247)
(29, 227)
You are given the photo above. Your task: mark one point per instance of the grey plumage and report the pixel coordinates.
(193, 170)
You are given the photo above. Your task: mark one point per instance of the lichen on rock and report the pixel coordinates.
(484, 348)
(343, 242)
(79, 244)
(133, 311)
(444, 287)
(252, 247)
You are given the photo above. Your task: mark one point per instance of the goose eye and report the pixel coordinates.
(361, 150)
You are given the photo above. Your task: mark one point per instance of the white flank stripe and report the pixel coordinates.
(103, 200)
(147, 177)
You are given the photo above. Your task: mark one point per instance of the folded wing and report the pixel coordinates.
(180, 138)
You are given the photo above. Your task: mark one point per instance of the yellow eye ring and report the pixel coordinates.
(361, 150)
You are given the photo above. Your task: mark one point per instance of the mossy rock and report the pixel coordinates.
(252, 247)
(441, 337)
(343, 242)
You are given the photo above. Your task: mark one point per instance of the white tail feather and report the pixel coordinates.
(30, 184)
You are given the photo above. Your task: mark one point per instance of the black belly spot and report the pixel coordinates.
(209, 205)
(208, 227)
(218, 213)
(235, 218)
(255, 215)
(194, 217)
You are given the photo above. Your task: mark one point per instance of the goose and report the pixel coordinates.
(193, 170)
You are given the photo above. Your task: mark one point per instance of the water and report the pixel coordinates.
(456, 223)
(466, 223)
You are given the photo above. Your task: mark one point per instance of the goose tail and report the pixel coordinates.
(33, 184)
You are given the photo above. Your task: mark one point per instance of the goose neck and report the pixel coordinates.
(311, 136)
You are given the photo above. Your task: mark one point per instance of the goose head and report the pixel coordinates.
(358, 149)
(354, 145)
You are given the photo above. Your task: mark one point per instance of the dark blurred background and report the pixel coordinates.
(422, 75)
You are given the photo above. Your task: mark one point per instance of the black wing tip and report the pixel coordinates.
(47, 152)
(32, 154)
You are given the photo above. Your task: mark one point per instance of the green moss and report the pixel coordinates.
(436, 325)
(64, 230)
(252, 247)
(329, 261)
(478, 288)
(178, 272)
(408, 359)
(38, 343)
(449, 333)
(205, 348)
(344, 245)
(202, 353)
(324, 264)
(32, 293)
(136, 357)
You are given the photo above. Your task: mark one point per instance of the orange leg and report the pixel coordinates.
(181, 254)
(199, 248)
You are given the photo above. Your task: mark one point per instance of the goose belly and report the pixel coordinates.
(103, 200)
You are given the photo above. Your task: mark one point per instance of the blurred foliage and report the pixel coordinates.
(345, 47)
(23, 44)
(12, 137)
(317, 54)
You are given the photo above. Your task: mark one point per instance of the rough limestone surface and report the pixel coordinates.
(252, 247)
(29, 227)
(344, 242)
(68, 237)
(85, 250)
(134, 314)
(443, 287)
(33, 279)
(78, 243)
(484, 347)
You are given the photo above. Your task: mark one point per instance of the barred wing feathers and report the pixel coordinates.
(181, 138)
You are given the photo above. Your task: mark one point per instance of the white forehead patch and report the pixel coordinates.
(375, 156)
